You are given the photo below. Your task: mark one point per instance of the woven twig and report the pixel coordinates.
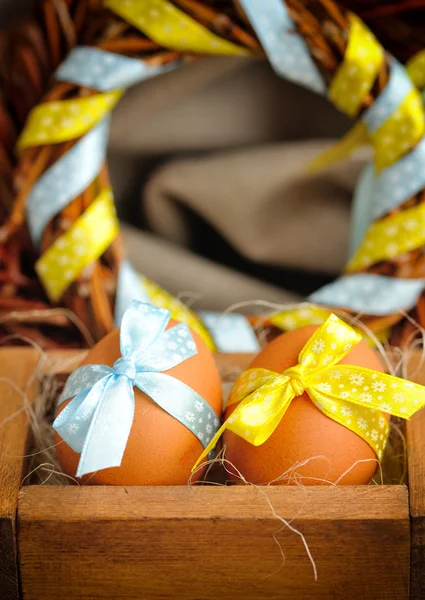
(31, 53)
(399, 24)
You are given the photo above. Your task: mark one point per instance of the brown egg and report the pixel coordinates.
(160, 450)
(304, 432)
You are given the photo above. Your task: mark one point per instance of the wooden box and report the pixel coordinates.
(203, 543)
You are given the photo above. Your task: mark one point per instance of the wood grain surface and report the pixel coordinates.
(204, 543)
(17, 365)
(415, 437)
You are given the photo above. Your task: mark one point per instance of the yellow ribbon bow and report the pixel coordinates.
(355, 397)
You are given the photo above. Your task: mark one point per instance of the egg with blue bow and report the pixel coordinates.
(142, 406)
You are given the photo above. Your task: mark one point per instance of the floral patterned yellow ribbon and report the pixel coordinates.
(55, 122)
(352, 396)
(399, 134)
(82, 244)
(390, 237)
(362, 61)
(404, 128)
(170, 27)
(351, 84)
(302, 316)
(416, 69)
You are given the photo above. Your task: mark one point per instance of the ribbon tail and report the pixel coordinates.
(67, 426)
(213, 443)
(84, 378)
(341, 150)
(369, 424)
(110, 427)
(254, 422)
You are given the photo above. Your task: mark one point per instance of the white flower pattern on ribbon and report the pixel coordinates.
(325, 387)
(379, 386)
(190, 417)
(318, 346)
(366, 397)
(199, 406)
(357, 378)
(362, 423)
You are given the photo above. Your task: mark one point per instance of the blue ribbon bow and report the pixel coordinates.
(97, 422)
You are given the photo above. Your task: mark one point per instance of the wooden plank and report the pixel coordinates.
(415, 438)
(62, 362)
(417, 561)
(202, 542)
(16, 365)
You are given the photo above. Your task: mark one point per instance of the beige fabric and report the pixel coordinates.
(259, 132)
(208, 285)
(262, 201)
(215, 103)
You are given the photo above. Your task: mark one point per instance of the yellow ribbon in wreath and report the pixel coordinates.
(84, 242)
(56, 122)
(416, 69)
(352, 396)
(390, 237)
(303, 316)
(172, 28)
(179, 311)
(352, 84)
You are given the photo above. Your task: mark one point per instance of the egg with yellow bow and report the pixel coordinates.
(307, 446)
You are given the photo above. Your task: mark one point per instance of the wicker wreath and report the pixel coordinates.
(32, 54)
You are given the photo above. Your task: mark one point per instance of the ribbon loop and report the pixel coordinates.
(140, 329)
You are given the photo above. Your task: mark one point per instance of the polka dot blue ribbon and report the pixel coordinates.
(376, 195)
(105, 71)
(362, 209)
(394, 93)
(395, 184)
(286, 50)
(130, 287)
(66, 179)
(370, 294)
(97, 422)
(231, 332)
